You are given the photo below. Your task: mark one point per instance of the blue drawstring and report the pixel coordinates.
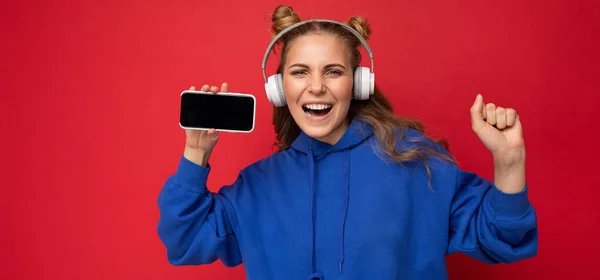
(311, 166)
(345, 198)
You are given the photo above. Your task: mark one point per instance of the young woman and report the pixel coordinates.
(354, 192)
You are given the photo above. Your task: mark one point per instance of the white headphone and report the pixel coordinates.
(364, 78)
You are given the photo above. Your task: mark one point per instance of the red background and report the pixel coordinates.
(89, 114)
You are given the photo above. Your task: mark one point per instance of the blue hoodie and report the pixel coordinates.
(321, 211)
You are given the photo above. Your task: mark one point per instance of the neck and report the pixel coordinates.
(335, 135)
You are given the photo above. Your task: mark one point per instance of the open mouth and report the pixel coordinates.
(317, 110)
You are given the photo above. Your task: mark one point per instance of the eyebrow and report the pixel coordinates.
(326, 66)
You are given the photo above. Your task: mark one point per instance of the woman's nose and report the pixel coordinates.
(316, 85)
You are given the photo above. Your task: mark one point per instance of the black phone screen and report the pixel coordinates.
(225, 112)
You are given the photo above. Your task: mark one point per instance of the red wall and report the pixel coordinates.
(89, 115)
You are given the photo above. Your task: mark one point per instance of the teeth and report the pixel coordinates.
(317, 106)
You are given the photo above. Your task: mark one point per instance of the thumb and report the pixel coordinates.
(213, 134)
(477, 111)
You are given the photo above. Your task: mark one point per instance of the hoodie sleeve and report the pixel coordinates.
(196, 225)
(490, 225)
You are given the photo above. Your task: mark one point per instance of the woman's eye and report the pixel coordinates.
(330, 72)
(298, 72)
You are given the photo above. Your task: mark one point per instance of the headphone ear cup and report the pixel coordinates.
(364, 83)
(274, 89)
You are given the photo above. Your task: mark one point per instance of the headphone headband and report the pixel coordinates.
(362, 40)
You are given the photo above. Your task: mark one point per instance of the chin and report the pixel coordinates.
(321, 129)
(320, 119)
(318, 132)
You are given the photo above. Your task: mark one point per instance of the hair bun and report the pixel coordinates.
(361, 26)
(283, 17)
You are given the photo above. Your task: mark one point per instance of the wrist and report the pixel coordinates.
(197, 156)
(508, 160)
(509, 174)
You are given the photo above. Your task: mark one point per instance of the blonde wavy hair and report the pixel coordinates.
(376, 111)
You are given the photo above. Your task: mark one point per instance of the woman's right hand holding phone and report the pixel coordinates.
(200, 143)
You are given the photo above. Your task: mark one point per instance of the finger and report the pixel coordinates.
(224, 87)
(213, 133)
(500, 118)
(483, 111)
(490, 110)
(518, 126)
(192, 88)
(477, 117)
(204, 88)
(511, 116)
(214, 89)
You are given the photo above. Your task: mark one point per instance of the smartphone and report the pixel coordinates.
(223, 111)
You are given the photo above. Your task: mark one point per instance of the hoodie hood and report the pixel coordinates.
(357, 132)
